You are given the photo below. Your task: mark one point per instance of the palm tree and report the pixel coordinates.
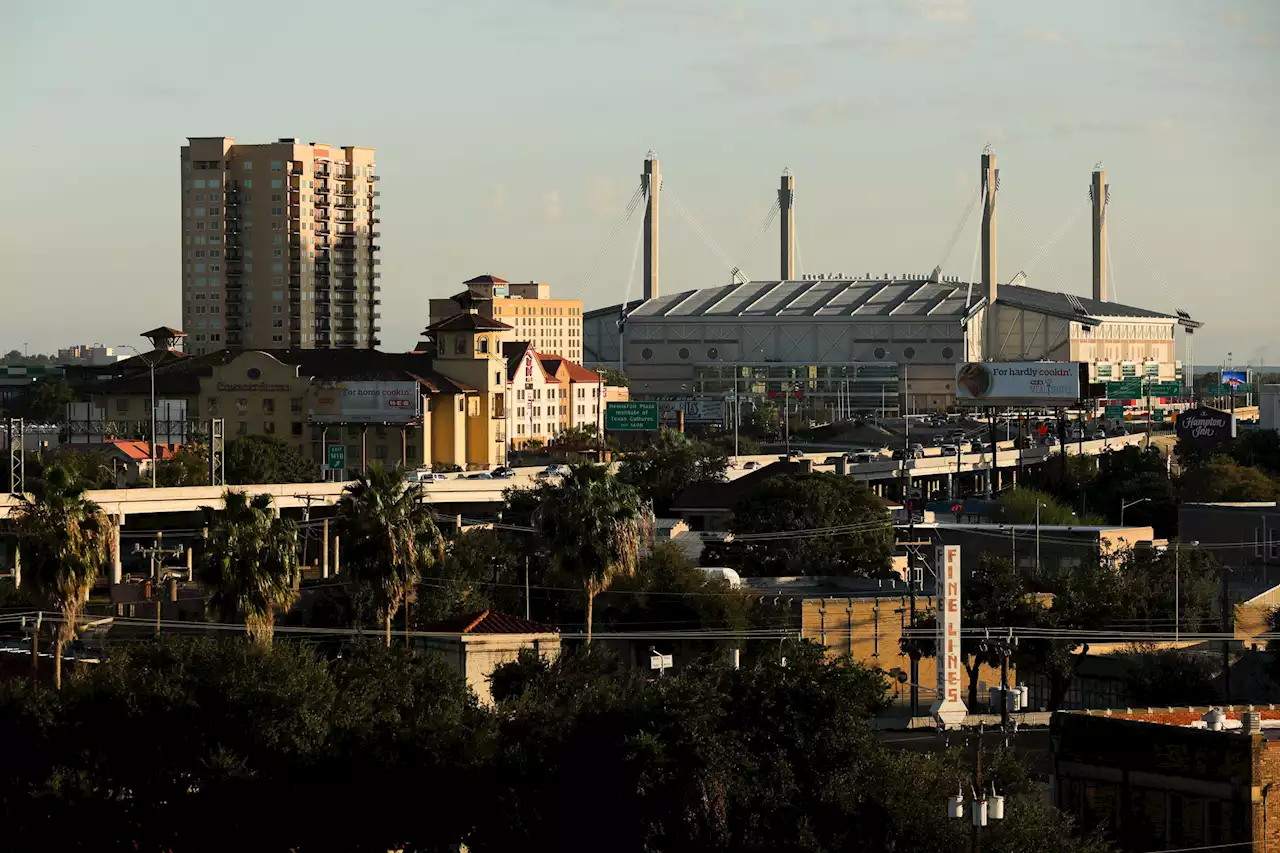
(592, 525)
(63, 541)
(249, 563)
(389, 538)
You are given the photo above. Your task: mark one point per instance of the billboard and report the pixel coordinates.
(948, 708)
(1205, 427)
(366, 403)
(697, 410)
(1030, 383)
(1235, 378)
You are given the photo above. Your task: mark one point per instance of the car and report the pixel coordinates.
(1097, 435)
(917, 451)
(1076, 435)
(427, 476)
(502, 472)
(1050, 441)
(553, 471)
(902, 454)
(836, 460)
(795, 454)
(864, 457)
(950, 450)
(751, 466)
(977, 446)
(1119, 431)
(479, 475)
(956, 435)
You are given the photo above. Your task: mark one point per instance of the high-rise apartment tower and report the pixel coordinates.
(278, 245)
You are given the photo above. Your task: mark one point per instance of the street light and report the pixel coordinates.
(1125, 505)
(151, 368)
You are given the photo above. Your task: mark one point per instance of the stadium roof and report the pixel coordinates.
(867, 298)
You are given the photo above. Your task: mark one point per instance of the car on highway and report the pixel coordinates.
(949, 450)
(502, 472)
(902, 454)
(553, 471)
(864, 457)
(795, 454)
(426, 476)
(917, 451)
(479, 475)
(977, 446)
(751, 466)
(1098, 435)
(835, 460)
(1050, 441)
(956, 435)
(1119, 431)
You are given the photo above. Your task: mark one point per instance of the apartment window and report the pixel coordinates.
(242, 405)
(277, 324)
(276, 184)
(277, 339)
(269, 427)
(277, 281)
(198, 184)
(248, 184)
(277, 309)
(276, 240)
(242, 428)
(1273, 543)
(122, 404)
(295, 429)
(248, 167)
(380, 430)
(295, 405)
(277, 253)
(215, 337)
(277, 226)
(380, 451)
(277, 267)
(459, 345)
(482, 344)
(277, 211)
(215, 211)
(199, 211)
(268, 406)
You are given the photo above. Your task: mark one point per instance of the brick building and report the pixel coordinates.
(1166, 779)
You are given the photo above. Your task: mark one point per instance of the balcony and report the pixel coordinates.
(375, 177)
(322, 170)
(232, 255)
(373, 235)
(373, 247)
(346, 189)
(233, 325)
(346, 203)
(375, 261)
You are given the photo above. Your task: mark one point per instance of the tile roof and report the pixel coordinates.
(578, 373)
(725, 496)
(489, 622)
(515, 351)
(468, 322)
(487, 278)
(164, 332)
(140, 451)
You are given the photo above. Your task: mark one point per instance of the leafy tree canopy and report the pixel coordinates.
(267, 459)
(661, 471)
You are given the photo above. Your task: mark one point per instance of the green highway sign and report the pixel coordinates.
(1166, 389)
(336, 456)
(1113, 411)
(1127, 389)
(632, 416)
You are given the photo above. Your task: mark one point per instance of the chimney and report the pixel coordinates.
(990, 180)
(1099, 191)
(786, 205)
(652, 181)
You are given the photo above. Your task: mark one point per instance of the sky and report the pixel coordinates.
(510, 135)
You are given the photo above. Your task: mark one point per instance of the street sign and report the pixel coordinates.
(661, 663)
(336, 456)
(1125, 389)
(1166, 389)
(1113, 411)
(631, 416)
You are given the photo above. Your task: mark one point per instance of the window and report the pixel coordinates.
(248, 184)
(277, 339)
(277, 166)
(482, 344)
(276, 183)
(248, 167)
(122, 404)
(277, 309)
(380, 451)
(459, 345)
(295, 405)
(295, 429)
(242, 428)
(277, 211)
(269, 427)
(212, 405)
(380, 430)
(277, 324)
(268, 406)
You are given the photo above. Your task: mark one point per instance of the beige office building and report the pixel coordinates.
(278, 245)
(551, 326)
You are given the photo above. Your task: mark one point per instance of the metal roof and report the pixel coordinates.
(813, 298)
(861, 298)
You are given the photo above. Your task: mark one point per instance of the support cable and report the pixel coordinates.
(964, 220)
(627, 213)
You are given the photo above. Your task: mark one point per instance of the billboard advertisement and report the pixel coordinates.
(1235, 378)
(1030, 383)
(1205, 427)
(366, 403)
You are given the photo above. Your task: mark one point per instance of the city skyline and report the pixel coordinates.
(523, 163)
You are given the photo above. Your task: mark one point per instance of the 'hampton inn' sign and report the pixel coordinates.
(1204, 427)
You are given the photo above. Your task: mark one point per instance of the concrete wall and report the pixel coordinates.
(476, 656)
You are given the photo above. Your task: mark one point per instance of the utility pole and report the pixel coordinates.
(1037, 537)
(526, 587)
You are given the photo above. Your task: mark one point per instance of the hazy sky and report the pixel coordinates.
(511, 133)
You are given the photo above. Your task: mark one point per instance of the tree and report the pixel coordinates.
(1169, 677)
(63, 542)
(664, 469)
(580, 437)
(389, 537)
(188, 467)
(837, 526)
(48, 398)
(591, 522)
(481, 569)
(613, 377)
(1018, 506)
(88, 466)
(249, 563)
(762, 421)
(1221, 479)
(1130, 473)
(255, 459)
